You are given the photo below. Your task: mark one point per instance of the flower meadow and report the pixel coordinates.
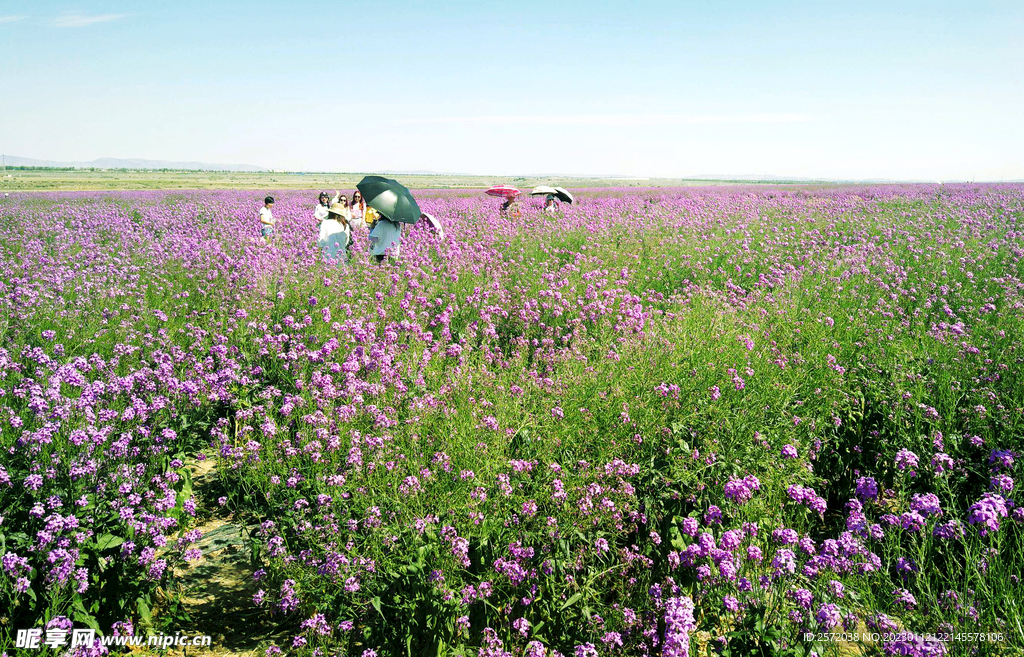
(699, 421)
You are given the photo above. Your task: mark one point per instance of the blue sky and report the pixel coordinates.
(905, 90)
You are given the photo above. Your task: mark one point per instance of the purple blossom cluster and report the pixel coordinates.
(742, 490)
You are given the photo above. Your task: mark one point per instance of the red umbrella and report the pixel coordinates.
(504, 191)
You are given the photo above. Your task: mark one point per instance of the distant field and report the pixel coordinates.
(57, 180)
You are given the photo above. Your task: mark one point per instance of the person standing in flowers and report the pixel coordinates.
(322, 205)
(370, 217)
(550, 204)
(267, 221)
(342, 200)
(358, 211)
(509, 208)
(385, 238)
(335, 235)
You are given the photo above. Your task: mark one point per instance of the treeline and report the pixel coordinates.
(10, 168)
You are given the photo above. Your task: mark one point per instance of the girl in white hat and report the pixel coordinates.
(335, 234)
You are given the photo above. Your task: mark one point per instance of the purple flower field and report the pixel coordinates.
(694, 421)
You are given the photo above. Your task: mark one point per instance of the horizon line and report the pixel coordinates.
(617, 120)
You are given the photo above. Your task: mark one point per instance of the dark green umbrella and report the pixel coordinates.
(390, 198)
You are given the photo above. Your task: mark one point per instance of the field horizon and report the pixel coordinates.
(26, 180)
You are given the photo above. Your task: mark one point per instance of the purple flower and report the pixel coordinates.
(741, 490)
(802, 597)
(904, 598)
(926, 504)
(867, 489)
(906, 460)
(534, 649)
(789, 452)
(986, 512)
(828, 616)
(612, 639)
(1002, 484)
(678, 625)
(1001, 459)
(784, 562)
(912, 521)
(689, 526)
(730, 540)
(942, 462)
(807, 496)
(950, 530)
(906, 567)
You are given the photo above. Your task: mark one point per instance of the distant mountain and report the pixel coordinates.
(116, 163)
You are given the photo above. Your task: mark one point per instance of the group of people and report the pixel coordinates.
(338, 221)
(510, 208)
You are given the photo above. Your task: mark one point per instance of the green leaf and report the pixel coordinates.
(86, 619)
(375, 602)
(143, 609)
(573, 600)
(676, 538)
(107, 541)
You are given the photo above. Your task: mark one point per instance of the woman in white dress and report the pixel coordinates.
(357, 211)
(322, 205)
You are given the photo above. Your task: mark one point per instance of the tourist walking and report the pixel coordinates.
(267, 221)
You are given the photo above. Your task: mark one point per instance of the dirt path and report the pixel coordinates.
(214, 594)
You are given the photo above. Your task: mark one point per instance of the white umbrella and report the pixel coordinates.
(435, 224)
(564, 195)
(542, 190)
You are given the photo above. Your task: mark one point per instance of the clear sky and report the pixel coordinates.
(896, 89)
